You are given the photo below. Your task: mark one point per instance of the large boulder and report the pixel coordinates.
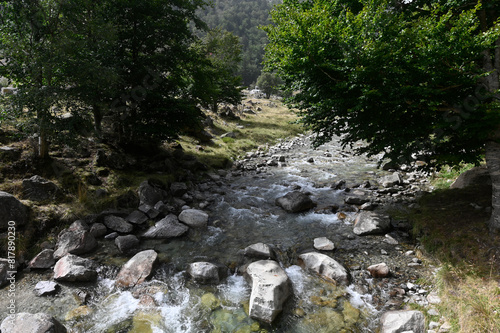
(37, 188)
(206, 272)
(403, 321)
(150, 194)
(75, 269)
(371, 223)
(325, 266)
(33, 323)
(167, 227)
(295, 202)
(12, 209)
(194, 218)
(44, 259)
(76, 239)
(478, 176)
(137, 269)
(270, 289)
(127, 244)
(118, 224)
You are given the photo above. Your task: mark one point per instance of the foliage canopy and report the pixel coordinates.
(406, 79)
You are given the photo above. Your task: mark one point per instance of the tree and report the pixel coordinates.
(154, 56)
(268, 83)
(127, 60)
(30, 45)
(217, 80)
(406, 77)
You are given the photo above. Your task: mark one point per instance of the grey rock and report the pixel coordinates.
(75, 240)
(167, 227)
(12, 209)
(137, 269)
(137, 217)
(33, 323)
(194, 218)
(391, 180)
(355, 200)
(150, 211)
(127, 244)
(150, 194)
(75, 269)
(295, 202)
(37, 188)
(98, 230)
(368, 206)
(9, 153)
(118, 224)
(42, 260)
(370, 223)
(400, 321)
(178, 189)
(270, 289)
(325, 266)
(46, 288)
(112, 235)
(390, 240)
(206, 272)
(259, 250)
(475, 176)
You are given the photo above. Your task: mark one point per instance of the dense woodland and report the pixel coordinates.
(243, 18)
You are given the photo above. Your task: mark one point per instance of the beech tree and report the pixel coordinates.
(408, 78)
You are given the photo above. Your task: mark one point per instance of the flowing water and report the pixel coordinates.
(242, 213)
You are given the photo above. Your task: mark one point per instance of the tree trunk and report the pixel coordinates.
(43, 145)
(493, 163)
(97, 120)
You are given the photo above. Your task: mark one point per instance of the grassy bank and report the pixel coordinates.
(270, 122)
(452, 226)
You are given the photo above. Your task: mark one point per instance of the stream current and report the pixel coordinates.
(242, 212)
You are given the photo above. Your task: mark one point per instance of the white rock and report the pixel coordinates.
(325, 266)
(270, 289)
(323, 244)
(400, 321)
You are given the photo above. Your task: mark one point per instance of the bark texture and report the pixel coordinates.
(493, 163)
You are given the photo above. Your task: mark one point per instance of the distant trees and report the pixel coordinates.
(243, 18)
(133, 64)
(268, 83)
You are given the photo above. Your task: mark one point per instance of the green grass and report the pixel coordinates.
(263, 128)
(447, 175)
(456, 234)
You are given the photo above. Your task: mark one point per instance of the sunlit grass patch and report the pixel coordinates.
(272, 122)
(471, 303)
